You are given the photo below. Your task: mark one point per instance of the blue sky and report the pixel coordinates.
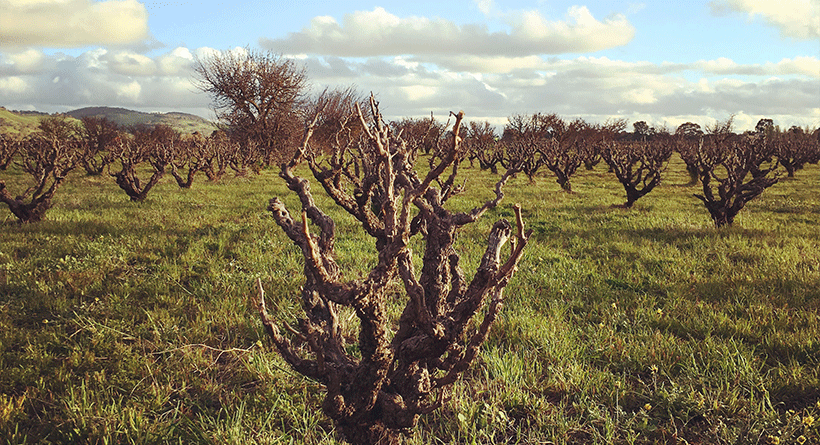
(662, 62)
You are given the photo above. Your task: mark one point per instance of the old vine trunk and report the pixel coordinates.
(397, 374)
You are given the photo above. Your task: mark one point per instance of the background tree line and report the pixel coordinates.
(732, 168)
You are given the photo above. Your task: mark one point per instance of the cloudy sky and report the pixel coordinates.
(665, 62)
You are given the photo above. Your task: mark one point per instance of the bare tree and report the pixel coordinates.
(521, 155)
(378, 390)
(424, 134)
(8, 148)
(146, 146)
(218, 152)
(187, 157)
(98, 135)
(47, 159)
(688, 137)
(257, 96)
(795, 148)
(250, 157)
(521, 140)
(336, 124)
(482, 144)
(638, 165)
(733, 170)
(57, 128)
(442, 150)
(563, 152)
(596, 140)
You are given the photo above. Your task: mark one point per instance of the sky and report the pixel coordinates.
(663, 62)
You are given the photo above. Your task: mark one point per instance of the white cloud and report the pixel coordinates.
(488, 88)
(488, 64)
(485, 6)
(129, 92)
(100, 77)
(581, 32)
(71, 23)
(30, 60)
(415, 93)
(640, 96)
(799, 19)
(380, 33)
(801, 66)
(594, 88)
(808, 66)
(721, 65)
(131, 64)
(179, 61)
(13, 86)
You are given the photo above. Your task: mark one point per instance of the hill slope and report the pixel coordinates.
(182, 122)
(20, 124)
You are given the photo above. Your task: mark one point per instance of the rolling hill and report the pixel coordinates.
(182, 122)
(20, 124)
(17, 124)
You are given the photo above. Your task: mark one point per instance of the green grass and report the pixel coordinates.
(127, 322)
(18, 125)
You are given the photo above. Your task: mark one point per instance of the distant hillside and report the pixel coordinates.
(18, 124)
(182, 122)
(22, 123)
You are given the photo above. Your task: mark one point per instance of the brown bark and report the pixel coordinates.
(795, 148)
(257, 95)
(733, 170)
(48, 162)
(638, 165)
(8, 148)
(379, 392)
(97, 135)
(131, 156)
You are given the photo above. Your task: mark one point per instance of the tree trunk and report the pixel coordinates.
(26, 213)
(130, 184)
(402, 368)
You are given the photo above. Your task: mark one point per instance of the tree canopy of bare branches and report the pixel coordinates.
(562, 152)
(8, 149)
(379, 389)
(97, 135)
(48, 157)
(482, 144)
(424, 134)
(257, 97)
(688, 137)
(520, 142)
(638, 165)
(149, 145)
(733, 169)
(598, 138)
(795, 148)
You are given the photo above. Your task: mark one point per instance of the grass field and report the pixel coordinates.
(127, 322)
(17, 125)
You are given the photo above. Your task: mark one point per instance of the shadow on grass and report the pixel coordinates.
(670, 235)
(89, 228)
(675, 234)
(795, 397)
